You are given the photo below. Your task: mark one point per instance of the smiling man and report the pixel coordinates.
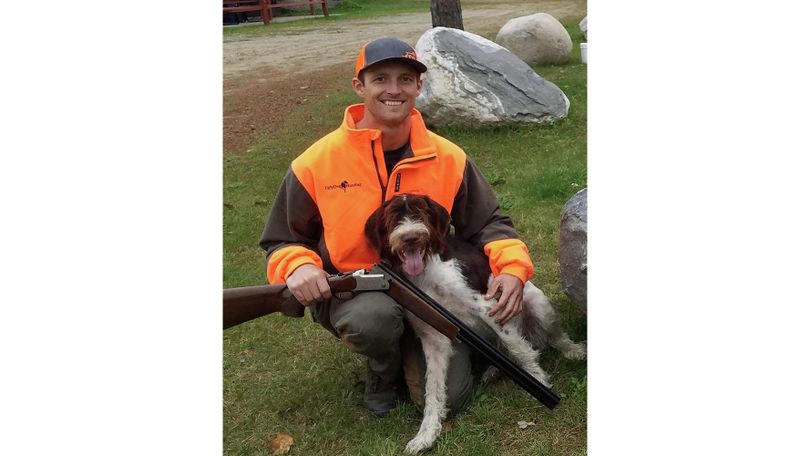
(315, 227)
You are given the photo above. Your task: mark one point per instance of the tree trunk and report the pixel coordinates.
(446, 13)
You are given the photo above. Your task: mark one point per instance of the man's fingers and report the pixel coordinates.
(301, 297)
(497, 308)
(506, 309)
(503, 303)
(323, 288)
(512, 308)
(298, 296)
(307, 295)
(308, 283)
(493, 288)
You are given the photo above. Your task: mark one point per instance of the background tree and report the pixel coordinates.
(446, 13)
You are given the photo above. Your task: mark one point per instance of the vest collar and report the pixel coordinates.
(419, 138)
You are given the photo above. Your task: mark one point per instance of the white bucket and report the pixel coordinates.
(583, 50)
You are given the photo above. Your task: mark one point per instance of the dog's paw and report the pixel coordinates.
(490, 375)
(544, 378)
(575, 352)
(418, 444)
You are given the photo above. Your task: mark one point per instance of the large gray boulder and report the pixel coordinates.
(538, 39)
(474, 82)
(574, 248)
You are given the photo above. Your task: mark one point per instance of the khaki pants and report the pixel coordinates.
(372, 324)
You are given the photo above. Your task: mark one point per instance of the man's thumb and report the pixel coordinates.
(491, 292)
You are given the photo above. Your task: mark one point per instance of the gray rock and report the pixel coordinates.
(538, 39)
(583, 27)
(574, 248)
(474, 82)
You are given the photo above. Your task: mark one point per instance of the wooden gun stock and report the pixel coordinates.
(246, 303)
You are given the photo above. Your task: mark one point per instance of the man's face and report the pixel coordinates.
(389, 91)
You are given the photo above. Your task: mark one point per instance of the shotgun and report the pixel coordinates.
(246, 303)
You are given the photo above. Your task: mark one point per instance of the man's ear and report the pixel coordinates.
(419, 86)
(358, 86)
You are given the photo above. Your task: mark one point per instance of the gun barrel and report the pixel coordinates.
(482, 346)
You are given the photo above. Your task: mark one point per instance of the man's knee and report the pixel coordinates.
(367, 321)
(460, 379)
(459, 391)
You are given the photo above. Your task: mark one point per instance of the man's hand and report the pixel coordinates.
(511, 300)
(308, 284)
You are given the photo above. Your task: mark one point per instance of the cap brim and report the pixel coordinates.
(417, 65)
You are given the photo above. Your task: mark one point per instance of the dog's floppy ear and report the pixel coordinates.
(374, 230)
(438, 217)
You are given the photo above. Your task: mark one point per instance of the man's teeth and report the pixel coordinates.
(392, 103)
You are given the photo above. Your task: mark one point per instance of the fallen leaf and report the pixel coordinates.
(525, 424)
(281, 443)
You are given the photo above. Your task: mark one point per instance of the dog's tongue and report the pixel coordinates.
(412, 263)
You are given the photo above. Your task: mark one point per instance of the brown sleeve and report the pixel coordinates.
(476, 212)
(292, 232)
(477, 219)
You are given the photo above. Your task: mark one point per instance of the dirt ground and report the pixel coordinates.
(263, 77)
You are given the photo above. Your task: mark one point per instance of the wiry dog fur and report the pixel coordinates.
(410, 233)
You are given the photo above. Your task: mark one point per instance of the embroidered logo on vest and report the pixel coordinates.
(345, 185)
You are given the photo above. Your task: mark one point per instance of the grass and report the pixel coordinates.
(347, 10)
(290, 375)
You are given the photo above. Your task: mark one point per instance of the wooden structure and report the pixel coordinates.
(265, 7)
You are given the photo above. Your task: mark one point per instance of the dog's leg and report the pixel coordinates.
(491, 374)
(541, 323)
(517, 346)
(438, 350)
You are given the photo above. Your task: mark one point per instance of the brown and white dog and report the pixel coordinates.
(410, 233)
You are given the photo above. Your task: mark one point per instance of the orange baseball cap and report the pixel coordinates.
(385, 49)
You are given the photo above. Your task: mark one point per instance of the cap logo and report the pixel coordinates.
(410, 55)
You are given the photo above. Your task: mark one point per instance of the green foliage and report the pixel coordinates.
(290, 375)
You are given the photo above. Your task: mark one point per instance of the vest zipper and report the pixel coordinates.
(377, 170)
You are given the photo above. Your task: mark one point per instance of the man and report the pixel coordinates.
(315, 227)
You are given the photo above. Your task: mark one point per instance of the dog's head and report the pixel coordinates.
(406, 229)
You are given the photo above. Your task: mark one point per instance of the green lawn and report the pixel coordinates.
(290, 375)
